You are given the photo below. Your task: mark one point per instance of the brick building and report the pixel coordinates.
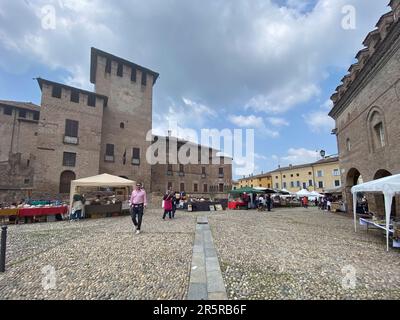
(77, 133)
(366, 110)
(205, 172)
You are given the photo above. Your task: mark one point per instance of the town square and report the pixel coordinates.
(246, 151)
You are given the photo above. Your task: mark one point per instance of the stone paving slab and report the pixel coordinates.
(206, 282)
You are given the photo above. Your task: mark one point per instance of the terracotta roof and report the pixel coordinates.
(20, 105)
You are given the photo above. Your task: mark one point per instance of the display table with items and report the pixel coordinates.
(207, 205)
(34, 213)
(103, 210)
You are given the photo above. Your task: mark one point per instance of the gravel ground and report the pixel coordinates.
(300, 254)
(100, 259)
(286, 254)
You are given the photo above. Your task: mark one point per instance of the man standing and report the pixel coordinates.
(138, 204)
(269, 202)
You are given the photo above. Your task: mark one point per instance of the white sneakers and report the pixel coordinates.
(138, 232)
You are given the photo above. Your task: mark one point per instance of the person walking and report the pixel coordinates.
(138, 204)
(77, 208)
(168, 205)
(174, 203)
(269, 202)
(305, 202)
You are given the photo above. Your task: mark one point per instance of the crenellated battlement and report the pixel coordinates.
(373, 40)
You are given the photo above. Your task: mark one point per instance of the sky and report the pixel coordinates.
(267, 65)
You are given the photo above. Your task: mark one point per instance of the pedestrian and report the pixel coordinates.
(269, 202)
(167, 205)
(305, 202)
(329, 203)
(138, 203)
(174, 204)
(77, 208)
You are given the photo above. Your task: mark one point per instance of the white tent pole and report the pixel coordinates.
(388, 211)
(355, 210)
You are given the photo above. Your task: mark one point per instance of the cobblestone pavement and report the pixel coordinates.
(286, 254)
(303, 254)
(100, 259)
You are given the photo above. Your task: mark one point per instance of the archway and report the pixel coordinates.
(353, 178)
(378, 201)
(65, 181)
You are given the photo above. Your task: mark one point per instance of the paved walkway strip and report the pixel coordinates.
(206, 282)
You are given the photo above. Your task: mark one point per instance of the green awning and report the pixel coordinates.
(243, 190)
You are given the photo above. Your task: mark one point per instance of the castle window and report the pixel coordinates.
(36, 116)
(182, 187)
(169, 170)
(122, 125)
(91, 100)
(144, 78)
(376, 127)
(75, 96)
(8, 111)
(71, 131)
(133, 75)
(221, 187)
(348, 144)
(109, 157)
(108, 65)
(22, 113)
(195, 187)
(136, 156)
(221, 173)
(120, 70)
(69, 159)
(205, 188)
(380, 134)
(181, 170)
(56, 92)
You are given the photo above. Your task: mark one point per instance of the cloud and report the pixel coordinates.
(247, 121)
(278, 122)
(319, 121)
(269, 56)
(253, 122)
(299, 156)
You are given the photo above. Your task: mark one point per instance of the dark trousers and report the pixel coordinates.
(173, 210)
(137, 210)
(169, 212)
(269, 205)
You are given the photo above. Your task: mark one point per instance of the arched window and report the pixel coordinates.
(376, 129)
(122, 125)
(348, 144)
(65, 181)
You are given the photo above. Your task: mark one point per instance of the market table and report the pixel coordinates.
(8, 212)
(236, 204)
(43, 211)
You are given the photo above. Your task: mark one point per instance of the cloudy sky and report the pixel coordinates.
(269, 65)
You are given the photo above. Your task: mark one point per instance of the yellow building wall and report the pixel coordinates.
(307, 177)
(263, 182)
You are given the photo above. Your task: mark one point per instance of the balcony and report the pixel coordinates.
(169, 173)
(221, 175)
(71, 140)
(203, 176)
(181, 174)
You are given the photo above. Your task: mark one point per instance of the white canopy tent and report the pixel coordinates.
(303, 193)
(102, 180)
(315, 194)
(389, 187)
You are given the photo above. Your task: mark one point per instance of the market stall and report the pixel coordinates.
(389, 187)
(243, 198)
(103, 180)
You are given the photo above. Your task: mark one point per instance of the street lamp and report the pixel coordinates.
(322, 153)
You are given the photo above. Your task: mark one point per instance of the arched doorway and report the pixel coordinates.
(378, 201)
(353, 178)
(65, 181)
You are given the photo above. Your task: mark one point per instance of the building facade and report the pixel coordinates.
(77, 133)
(202, 173)
(261, 181)
(366, 111)
(319, 176)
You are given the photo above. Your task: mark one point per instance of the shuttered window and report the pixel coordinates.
(69, 159)
(136, 156)
(71, 128)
